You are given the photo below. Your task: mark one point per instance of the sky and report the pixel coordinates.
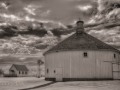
(65, 11)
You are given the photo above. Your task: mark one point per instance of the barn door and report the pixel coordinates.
(115, 71)
(59, 74)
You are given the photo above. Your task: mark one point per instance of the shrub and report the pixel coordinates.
(10, 75)
(56, 32)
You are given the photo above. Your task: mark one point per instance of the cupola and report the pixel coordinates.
(79, 27)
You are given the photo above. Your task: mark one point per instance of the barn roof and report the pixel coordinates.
(81, 41)
(20, 67)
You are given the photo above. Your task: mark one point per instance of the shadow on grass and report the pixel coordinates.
(39, 86)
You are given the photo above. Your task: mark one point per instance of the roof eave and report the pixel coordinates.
(81, 49)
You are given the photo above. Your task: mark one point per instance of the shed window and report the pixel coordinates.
(19, 72)
(114, 55)
(85, 54)
(47, 70)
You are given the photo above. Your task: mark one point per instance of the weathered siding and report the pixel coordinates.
(97, 65)
(116, 66)
(82, 67)
(103, 64)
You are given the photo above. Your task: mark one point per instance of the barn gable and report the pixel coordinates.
(81, 41)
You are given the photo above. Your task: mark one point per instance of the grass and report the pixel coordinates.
(20, 82)
(33, 83)
(83, 85)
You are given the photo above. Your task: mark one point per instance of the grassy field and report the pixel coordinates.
(33, 83)
(83, 85)
(20, 83)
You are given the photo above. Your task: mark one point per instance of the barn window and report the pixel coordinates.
(114, 55)
(47, 71)
(22, 72)
(85, 54)
(54, 71)
(25, 72)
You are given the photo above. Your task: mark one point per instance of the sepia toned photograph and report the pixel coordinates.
(59, 44)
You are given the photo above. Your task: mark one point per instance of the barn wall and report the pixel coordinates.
(74, 65)
(82, 67)
(116, 67)
(104, 64)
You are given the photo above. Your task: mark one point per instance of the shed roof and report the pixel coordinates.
(82, 41)
(20, 67)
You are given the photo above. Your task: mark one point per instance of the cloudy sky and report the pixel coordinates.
(65, 11)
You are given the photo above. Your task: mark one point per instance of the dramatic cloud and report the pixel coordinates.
(31, 9)
(64, 11)
(4, 5)
(10, 16)
(84, 8)
(102, 3)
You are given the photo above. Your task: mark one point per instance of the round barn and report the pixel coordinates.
(82, 57)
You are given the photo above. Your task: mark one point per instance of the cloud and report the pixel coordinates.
(57, 10)
(84, 8)
(10, 16)
(31, 9)
(27, 18)
(4, 5)
(103, 3)
(45, 13)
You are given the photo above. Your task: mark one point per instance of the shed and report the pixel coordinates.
(18, 70)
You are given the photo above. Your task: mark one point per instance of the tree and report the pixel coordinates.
(56, 32)
(30, 28)
(69, 26)
(39, 31)
(39, 62)
(1, 72)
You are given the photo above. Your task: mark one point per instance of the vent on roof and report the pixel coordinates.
(79, 27)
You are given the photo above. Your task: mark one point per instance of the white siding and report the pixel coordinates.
(98, 64)
(103, 64)
(115, 71)
(116, 67)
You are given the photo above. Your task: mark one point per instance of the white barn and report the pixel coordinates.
(82, 57)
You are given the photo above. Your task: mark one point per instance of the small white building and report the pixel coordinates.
(18, 70)
(82, 57)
